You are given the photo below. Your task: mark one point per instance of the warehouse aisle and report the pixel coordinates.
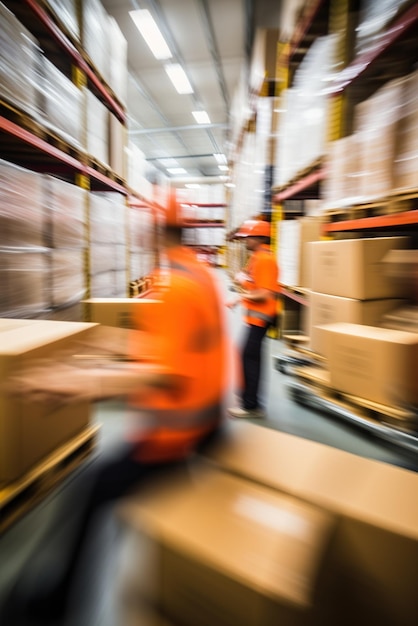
(100, 576)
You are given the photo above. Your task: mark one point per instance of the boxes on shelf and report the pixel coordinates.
(326, 309)
(246, 554)
(24, 274)
(58, 96)
(117, 139)
(22, 215)
(402, 318)
(31, 430)
(97, 140)
(66, 214)
(67, 12)
(66, 280)
(19, 57)
(378, 364)
(354, 268)
(402, 266)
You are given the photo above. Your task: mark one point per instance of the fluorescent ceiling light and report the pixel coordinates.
(177, 170)
(178, 77)
(201, 117)
(221, 158)
(223, 168)
(149, 30)
(192, 186)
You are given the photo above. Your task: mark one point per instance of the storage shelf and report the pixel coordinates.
(362, 62)
(70, 50)
(407, 218)
(53, 155)
(304, 25)
(294, 295)
(210, 205)
(204, 224)
(300, 186)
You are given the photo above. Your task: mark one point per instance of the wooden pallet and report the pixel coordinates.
(318, 379)
(21, 496)
(104, 169)
(395, 202)
(12, 113)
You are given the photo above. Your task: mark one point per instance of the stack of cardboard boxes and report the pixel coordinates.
(29, 431)
(352, 293)
(268, 528)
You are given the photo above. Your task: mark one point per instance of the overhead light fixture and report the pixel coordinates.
(221, 158)
(149, 30)
(192, 186)
(201, 117)
(178, 77)
(223, 168)
(176, 170)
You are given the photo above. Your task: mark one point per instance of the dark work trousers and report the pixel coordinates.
(251, 360)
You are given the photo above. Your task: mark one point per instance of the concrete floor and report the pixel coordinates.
(100, 603)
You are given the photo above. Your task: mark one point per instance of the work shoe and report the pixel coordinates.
(238, 412)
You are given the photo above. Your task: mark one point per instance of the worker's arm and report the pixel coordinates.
(255, 295)
(56, 382)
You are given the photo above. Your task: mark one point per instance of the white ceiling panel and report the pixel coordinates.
(209, 38)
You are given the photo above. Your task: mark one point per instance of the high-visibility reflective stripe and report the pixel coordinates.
(184, 419)
(257, 315)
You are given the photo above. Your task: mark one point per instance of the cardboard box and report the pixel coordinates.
(403, 318)
(401, 266)
(325, 309)
(353, 268)
(293, 254)
(405, 166)
(226, 551)
(29, 431)
(378, 364)
(120, 312)
(369, 573)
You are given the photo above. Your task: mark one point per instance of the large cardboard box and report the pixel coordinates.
(120, 312)
(29, 431)
(378, 364)
(226, 551)
(402, 266)
(325, 309)
(353, 268)
(369, 573)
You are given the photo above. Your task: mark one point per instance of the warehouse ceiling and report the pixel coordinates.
(211, 40)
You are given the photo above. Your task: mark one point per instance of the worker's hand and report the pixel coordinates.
(241, 277)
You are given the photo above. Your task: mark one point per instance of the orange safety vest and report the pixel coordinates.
(263, 272)
(188, 339)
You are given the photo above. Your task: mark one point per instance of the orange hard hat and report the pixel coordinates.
(253, 228)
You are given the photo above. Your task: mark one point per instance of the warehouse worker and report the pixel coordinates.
(257, 283)
(176, 398)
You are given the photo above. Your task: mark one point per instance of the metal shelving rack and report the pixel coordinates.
(363, 68)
